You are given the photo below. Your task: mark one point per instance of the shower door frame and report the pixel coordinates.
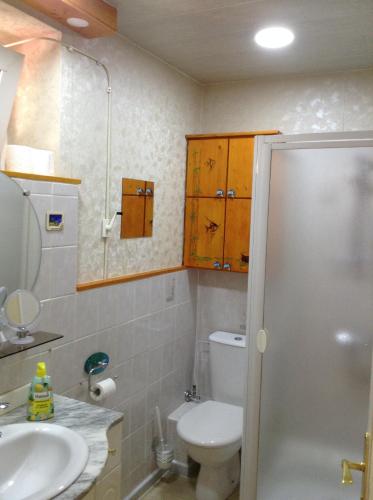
(264, 145)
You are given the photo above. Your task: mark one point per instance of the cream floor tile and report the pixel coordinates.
(179, 488)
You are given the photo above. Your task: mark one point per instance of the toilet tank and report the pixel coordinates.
(228, 367)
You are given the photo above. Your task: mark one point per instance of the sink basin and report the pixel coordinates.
(39, 461)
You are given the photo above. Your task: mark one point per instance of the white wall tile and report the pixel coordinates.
(63, 270)
(124, 302)
(142, 298)
(57, 316)
(157, 294)
(140, 335)
(68, 205)
(42, 204)
(61, 189)
(87, 312)
(124, 342)
(138, 410)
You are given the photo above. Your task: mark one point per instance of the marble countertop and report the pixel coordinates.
(91, 422)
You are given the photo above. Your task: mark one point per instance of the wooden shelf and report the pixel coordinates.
(253, 133)
(81, 287)
(40, 338)
(37, 177)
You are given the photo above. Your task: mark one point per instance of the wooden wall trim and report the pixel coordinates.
(233, 134)
(37, 177)
(81, 287)
(101, 16)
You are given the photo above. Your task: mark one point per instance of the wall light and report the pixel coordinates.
(274, 37)
(77, 22)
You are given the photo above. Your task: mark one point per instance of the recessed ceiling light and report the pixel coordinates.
(77, 22)
(274, 37)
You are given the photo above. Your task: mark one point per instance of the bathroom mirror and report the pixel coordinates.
(10, 70)
(20, 248)
(21, 309)
(137, 208)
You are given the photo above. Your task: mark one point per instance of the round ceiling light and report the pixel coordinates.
(77, 22)
(274, 37)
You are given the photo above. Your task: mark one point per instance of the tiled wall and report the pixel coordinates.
(221, 305)
(147, 327)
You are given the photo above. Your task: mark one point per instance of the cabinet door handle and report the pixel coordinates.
(227, 267)
(220, 192)
(217, 265)
(244, 258)
(231, 193)
(139, 191)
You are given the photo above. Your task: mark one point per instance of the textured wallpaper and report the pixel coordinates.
(153, 108)
(301, 104)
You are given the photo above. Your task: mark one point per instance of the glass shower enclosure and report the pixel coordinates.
(311, 299)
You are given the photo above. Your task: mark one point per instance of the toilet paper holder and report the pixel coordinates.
(96, 363)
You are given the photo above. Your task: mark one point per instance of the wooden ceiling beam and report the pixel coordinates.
(102, 17)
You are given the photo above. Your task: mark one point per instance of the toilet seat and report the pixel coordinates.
(212, 424)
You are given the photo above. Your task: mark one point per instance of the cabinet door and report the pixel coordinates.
(133, 211)
(237, 235)
(240, 167)
(91, 495)
(149, 208)
(204, 232)
(114, 437)
(207, 167)
(133, 186)
(109, 487)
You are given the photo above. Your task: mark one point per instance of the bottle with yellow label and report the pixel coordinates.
(40, 401)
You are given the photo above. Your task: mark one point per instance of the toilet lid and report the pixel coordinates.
(211, 424)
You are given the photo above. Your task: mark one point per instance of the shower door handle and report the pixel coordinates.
(362, 467)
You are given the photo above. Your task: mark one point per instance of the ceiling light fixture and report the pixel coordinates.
(274, 37)
(77, 22)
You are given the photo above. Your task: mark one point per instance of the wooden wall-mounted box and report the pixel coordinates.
(218, 200)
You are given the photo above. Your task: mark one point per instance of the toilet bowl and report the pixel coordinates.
(212, 432)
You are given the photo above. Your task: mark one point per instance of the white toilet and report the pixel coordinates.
(212, 430)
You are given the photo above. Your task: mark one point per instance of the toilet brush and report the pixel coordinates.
(164, 454)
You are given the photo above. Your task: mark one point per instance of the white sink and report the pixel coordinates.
(39, 461)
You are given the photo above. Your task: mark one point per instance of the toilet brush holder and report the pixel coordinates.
(164, 454)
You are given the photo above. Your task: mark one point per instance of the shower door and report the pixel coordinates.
(317, 314)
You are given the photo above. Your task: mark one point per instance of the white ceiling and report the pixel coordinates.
(212, 40)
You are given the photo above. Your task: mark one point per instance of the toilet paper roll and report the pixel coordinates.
(103, 389)
(20, 158)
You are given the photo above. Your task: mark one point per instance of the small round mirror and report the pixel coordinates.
(21, 309)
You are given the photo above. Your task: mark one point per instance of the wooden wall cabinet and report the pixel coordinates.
(218, 200)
